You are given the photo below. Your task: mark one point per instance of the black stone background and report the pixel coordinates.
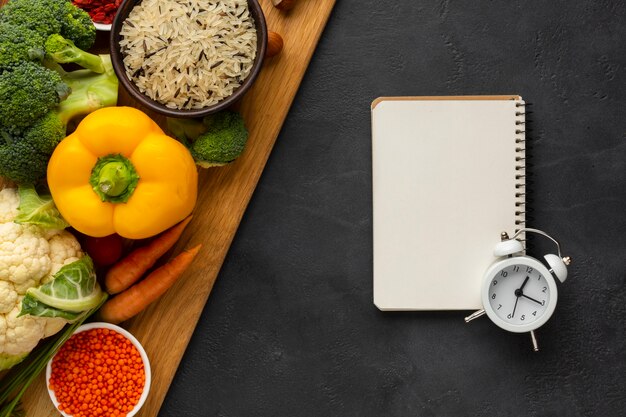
(290, 328)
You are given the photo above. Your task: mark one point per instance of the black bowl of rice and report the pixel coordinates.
(188, 58)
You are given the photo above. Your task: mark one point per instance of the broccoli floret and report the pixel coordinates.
(77, 26)
(46, 133)
(27, 92)
(25, 151)
(21, 161)
(216, 140)
(42, 16)
(64, 51)
(35, 100)
(48, 17)
(18, 43)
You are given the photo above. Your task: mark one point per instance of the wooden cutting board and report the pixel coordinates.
(166, 326)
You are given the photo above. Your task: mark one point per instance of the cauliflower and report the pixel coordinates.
(9, 201)
(29, 256)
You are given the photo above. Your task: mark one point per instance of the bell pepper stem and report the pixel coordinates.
(114, 178)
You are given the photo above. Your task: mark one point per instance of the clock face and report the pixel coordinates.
(519, 294)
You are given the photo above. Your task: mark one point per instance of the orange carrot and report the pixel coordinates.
(128, 271)
(132, 301)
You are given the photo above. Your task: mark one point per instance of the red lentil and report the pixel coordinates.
(97, 372)
(101, 11)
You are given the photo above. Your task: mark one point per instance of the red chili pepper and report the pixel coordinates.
(101, 11)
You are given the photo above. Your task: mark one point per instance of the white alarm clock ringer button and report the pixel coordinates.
(508, 247)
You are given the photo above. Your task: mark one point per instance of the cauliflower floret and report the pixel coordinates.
(29, 256)
(24, 255)
(20, 334)
(8, 297)
(9, 201)
(64, 249)
(52, 325)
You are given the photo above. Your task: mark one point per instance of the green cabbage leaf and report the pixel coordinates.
(39, 210)
(33, 307)
(73, 289)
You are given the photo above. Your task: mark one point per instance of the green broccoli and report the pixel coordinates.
(44, 134)
(18, 44)
(77, 26)
(213, 141)
(42, 16)
(25, 151)
(48, 17)
(37, 96)
(22, 162)
(90, 91)
(64, 51)
(27, 92)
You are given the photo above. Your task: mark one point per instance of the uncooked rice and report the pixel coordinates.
(188, 54)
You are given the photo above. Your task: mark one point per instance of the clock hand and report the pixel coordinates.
(519, 292)
(532, 299)
(524, 283)
(514, 307)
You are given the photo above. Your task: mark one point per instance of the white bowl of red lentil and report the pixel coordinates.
(105, 360)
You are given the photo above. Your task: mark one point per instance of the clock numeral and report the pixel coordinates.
(523, 317)
(535, 313)
(543, 302)
(544, 289)
(508, 317)
(495, 282)
(504, 273)
(499, 306)
(529, 269)
(515, 268)
(493, 296)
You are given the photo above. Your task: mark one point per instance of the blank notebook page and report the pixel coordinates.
(443, 174)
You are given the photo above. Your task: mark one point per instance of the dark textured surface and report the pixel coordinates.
(290, 328)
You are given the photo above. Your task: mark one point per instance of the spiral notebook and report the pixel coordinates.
(448, 176)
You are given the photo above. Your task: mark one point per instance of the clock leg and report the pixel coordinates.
(534, 339)
(474, 315)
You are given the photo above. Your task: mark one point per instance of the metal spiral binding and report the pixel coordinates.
(528, 172)
(521, 174)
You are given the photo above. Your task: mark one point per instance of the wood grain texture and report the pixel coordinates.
(167, 325)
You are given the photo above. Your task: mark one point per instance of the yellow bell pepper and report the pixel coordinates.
(119, 173)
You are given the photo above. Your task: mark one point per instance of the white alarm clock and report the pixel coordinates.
(519, 293)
